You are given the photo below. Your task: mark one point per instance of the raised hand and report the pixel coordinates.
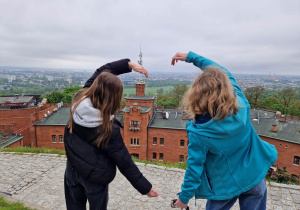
(152, 193)
(138, 68)
(178, 57)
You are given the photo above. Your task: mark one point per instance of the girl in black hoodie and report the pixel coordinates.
(93, 142)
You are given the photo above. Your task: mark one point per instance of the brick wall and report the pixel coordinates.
(16, 144)
(171, 149)
(143, 119)
(148, 103)
(19, 120)
(286, 152)
(44, 135)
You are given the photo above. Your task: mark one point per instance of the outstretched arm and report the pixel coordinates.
(118, 152)
(204, 64)
(117, 68)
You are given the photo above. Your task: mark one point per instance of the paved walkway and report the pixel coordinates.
(38, 179)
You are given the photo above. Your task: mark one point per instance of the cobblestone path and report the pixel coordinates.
(38, 179)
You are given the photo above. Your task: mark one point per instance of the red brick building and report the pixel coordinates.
(149, 133)
(18, 114)
(284, 133)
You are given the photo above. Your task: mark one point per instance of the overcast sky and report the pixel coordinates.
(254, 36)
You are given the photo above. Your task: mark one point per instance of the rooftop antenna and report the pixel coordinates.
(140, 61)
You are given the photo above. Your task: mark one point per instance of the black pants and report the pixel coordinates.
(78, 190)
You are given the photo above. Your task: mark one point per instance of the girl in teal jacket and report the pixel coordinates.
(226, 158)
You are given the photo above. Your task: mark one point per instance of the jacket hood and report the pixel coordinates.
(86, 115)
(230, 126)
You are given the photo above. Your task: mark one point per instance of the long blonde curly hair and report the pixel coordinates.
(211, 93)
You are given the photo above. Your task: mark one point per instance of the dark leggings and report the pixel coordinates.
(78, 190)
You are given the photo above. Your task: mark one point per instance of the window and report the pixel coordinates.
(61, 138)
(154, 140)
(181, 158)
(134, 123)
(134, 141)
(53, 138)
(162, 141)
(161, 156)
(181, 143)
(154, 156)
(134, 155)
(296, 160)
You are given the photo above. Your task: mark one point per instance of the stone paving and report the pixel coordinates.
(38, 179)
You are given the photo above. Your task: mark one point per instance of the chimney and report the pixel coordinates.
(274, 128)
(295, 118)
(278, 114)
(140, 88)
(288, 117)
(282, 119)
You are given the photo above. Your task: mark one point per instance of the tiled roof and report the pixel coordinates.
(119, 116)
(174, 120)
(61, 117)
(144, 109)
(286, 131)
(140, 97)
(10, 139)
(16, 99)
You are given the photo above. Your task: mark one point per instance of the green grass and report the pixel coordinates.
(33, 150)
(160, 163)
(131, 91)
(5, 205)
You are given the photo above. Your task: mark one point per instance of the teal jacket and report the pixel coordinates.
(225, 157)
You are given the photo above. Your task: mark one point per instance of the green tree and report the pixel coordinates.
(177, 92)
(294, 109)
(69, 92)
(286, 96)
(254, 95)
(55, 97)
(268, 102)
(278, 107)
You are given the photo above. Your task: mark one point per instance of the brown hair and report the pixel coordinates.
(106, 94)
(211, 93)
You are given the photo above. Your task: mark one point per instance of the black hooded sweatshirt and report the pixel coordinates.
(98, 165)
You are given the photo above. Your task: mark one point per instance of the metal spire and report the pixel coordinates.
(140, 61)
(141, 56)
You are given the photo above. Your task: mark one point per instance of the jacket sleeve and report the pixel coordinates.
(195, 165)
(116, 67)
(203, 63)
(118, 152)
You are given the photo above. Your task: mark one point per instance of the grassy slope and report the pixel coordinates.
(5, 205)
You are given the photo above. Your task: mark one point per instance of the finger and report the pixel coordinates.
(145, 72)
(173, 61)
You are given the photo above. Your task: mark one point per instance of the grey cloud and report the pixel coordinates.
(254, 36)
